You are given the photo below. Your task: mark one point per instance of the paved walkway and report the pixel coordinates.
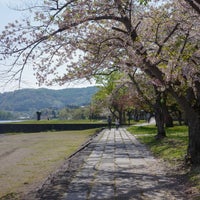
(119, 167)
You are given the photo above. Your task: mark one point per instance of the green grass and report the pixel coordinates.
(172, 148)
(37, 156)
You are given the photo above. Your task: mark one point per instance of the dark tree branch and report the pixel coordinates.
(139, 90)
(195, 4)
(167, 38)
(120, 30)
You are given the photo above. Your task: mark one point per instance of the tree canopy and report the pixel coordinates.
(89, 38)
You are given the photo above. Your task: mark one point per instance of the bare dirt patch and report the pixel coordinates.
(26, 160)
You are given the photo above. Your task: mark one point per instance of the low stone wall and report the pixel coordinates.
(28, 128)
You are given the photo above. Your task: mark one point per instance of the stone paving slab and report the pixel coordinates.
(119, 167)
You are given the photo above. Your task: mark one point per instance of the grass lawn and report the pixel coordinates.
(27, 159)
(171, 149)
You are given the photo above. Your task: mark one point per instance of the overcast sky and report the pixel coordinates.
(9, 15)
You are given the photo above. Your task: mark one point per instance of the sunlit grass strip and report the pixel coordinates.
(172, 148)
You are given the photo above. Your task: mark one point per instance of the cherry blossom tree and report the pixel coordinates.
(155, 99)
(96, 37)
(175, 49)
(114, 94)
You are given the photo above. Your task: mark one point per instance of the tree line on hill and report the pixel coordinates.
(27, 101)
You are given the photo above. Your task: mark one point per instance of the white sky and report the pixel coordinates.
(28, 80)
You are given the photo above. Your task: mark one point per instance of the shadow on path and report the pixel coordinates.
(113, 166)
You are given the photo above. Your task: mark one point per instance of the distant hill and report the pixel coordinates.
(35, 99)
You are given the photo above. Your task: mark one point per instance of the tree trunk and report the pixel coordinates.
(168, 121)
(136, 116)
(124, 118)
(192, 114)
(179, 117)
(121, 120)
(129, 117)
(159, 116)
(194, 139)
(167, 117)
